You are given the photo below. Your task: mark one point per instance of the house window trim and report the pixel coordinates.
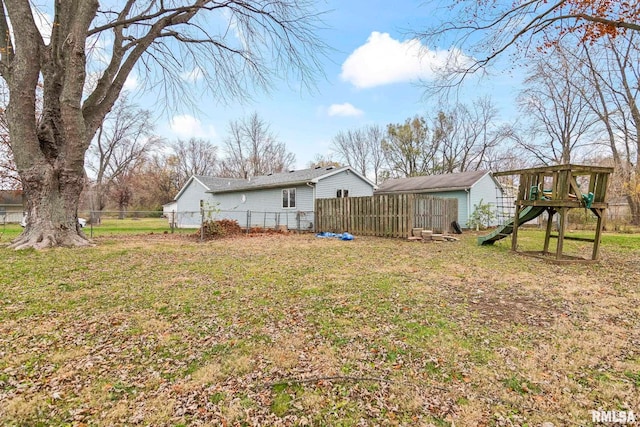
(342, 193)
(289, 190)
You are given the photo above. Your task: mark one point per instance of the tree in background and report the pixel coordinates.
(361, 149)
(459, 139)
(562, 124)
(165, 38)
(409, 149)
(195, 156)
(158, 181)
(466, 136)
(353, 147)
(121, 146)
(612, 70)
(122, 192)
(251, 149)
(320, 161)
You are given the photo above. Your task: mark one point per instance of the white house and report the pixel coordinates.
(281, 199)
(11, 206)
(468, 187)
(169, 211)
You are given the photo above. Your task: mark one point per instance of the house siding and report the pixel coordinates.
(261, 206)
(169, 211)
(265, 208)
(327, 187)
(11, 214)
(461, 197)
(486, 191)
(188, 204)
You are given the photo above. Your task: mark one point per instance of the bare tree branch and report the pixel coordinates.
(486, 30)
(235, 46)
(252, 149)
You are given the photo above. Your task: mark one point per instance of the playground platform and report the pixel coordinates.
(555, 190)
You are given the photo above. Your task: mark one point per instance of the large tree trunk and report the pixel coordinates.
(633, 198)
(49, 144)
(634, 208)
(52, 198)
(49, 150)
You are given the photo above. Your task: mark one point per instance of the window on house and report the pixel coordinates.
(289, 198)
(342, 193)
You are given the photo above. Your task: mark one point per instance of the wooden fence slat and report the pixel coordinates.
(390, 215)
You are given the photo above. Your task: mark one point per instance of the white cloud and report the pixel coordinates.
(383, 60)
(193, 75)
(131, 83)
(346, 110)
(187, 126)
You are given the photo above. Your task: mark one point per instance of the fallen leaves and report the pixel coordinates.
(288, 330)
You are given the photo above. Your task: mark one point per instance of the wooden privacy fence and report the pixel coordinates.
(385, 215)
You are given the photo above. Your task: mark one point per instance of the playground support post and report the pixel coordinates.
(563, 224)
(596, 244)
(550, 214)
(516, 224)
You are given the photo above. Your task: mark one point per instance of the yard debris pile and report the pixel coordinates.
(218, 229)
(261, 230)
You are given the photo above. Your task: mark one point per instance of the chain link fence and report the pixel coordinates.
(145, 222)
(248, 220)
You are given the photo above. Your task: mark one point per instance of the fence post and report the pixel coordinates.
(173, 220)
(201, 220)
(410, 210)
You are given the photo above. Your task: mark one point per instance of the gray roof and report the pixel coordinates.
(432, 183)
(212, 182)
(276, 180)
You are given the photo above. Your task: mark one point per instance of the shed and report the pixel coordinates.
(286, 198)
(469, 188)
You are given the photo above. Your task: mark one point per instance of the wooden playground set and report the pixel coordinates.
(555, 190)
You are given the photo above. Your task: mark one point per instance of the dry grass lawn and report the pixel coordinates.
(294, 330)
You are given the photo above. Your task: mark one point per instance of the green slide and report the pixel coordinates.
(527, 214)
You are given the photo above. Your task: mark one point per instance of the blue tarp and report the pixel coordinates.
(341, 236)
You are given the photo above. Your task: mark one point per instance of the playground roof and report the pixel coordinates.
(432, 183)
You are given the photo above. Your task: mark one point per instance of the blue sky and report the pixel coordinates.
(371, 77)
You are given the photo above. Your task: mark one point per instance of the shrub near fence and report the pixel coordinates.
(387, 215)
